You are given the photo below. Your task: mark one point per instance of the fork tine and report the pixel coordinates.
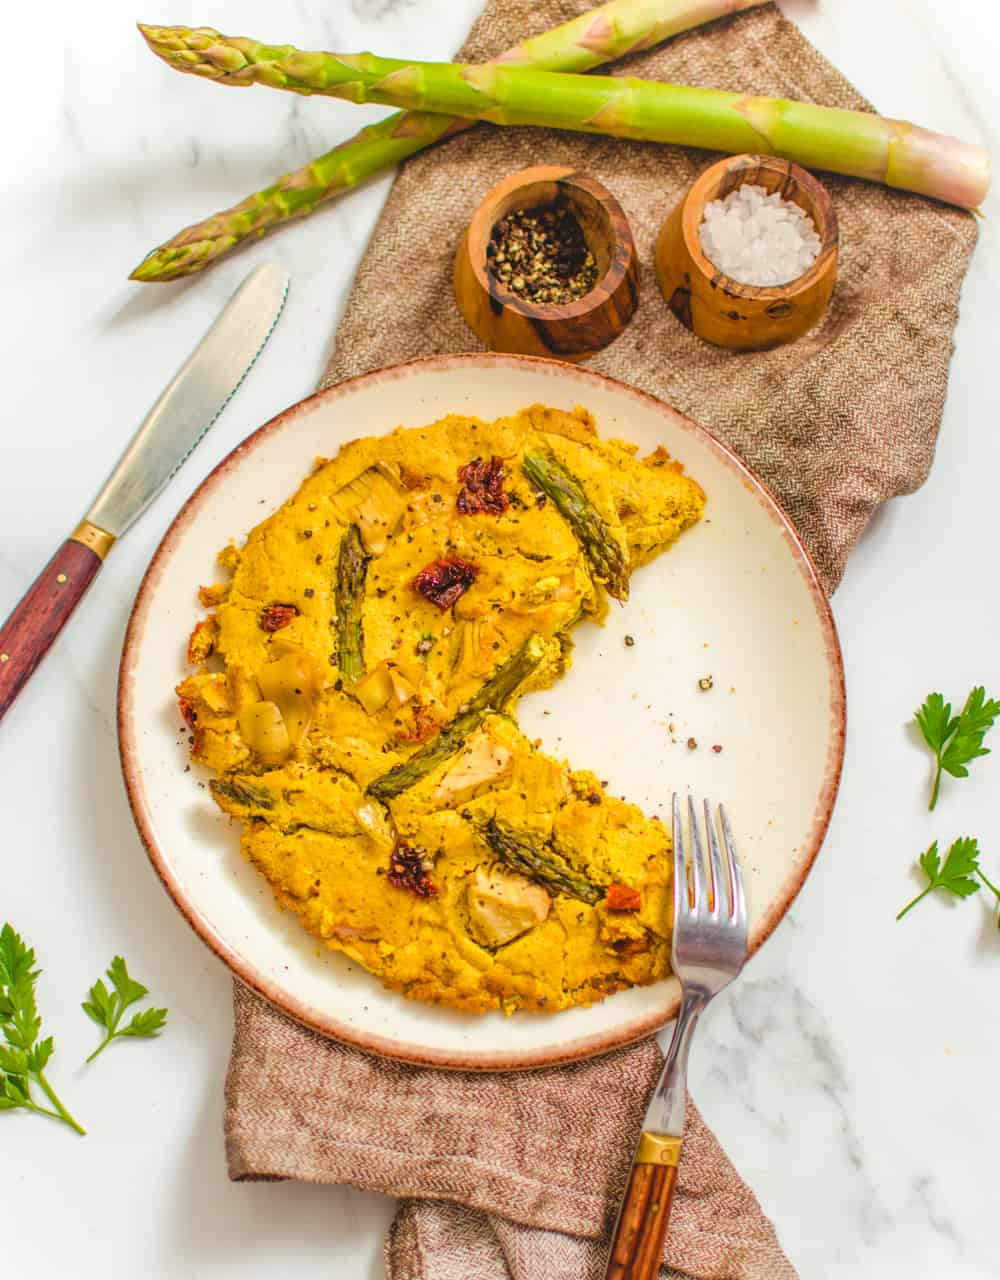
(739, 912)
(720, 887)
(697, 861)
(682, 905)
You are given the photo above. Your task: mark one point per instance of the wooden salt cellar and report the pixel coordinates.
(569, 331)
(722, 310)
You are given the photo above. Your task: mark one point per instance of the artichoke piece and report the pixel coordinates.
(402, 689)
(494, 694)
(374, 690)
(502, 906)
(352, 569)
(375, 502)
(382, 684)
(601, 547)
(465, 646)
(543, 865)
(481, 760)
(293, 683)
(263, 729)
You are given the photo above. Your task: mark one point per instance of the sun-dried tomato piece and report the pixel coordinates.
(408, 869)
(443, 581)
(276, 616)
(482, 488)
(189, 713)
(621, 898)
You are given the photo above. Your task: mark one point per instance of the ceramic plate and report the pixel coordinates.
(736, 599)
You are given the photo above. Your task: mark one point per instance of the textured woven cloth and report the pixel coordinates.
(508, 1176)
(516, 1177)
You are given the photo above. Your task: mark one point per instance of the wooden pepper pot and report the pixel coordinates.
(722, 310)
(570, 331)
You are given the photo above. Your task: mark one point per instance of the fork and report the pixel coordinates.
(708, 951)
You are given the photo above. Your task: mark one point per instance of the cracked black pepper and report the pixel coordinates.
(541, 256)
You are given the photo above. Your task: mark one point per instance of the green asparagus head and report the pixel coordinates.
(199, 51)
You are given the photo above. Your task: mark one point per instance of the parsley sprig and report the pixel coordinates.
(956, 876)
(107, 1007)
(956, 740)
(23, 1057)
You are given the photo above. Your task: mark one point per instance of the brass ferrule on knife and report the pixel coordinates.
(91, 535)
(658, 1148)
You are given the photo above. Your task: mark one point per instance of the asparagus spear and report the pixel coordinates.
(543, 865)
(352, 568)
(492, 697)
(602, 548)
(851, 142)
(240, 796)
(610, 31)
(281, 802)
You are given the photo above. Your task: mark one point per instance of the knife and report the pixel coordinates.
(175, 425)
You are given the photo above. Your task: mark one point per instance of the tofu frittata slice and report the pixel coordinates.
(356, 685)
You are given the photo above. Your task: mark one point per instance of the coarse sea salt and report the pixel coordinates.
(757, 238)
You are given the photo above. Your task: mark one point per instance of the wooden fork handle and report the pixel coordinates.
(44, 610)
(637, 1243)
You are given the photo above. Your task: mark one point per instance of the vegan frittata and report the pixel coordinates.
(357, 681)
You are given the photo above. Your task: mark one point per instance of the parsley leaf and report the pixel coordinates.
(23, 1057)
(956, 740)
(956, 876)
(106, 1007)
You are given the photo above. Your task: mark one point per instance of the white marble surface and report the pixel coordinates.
(851, 1074)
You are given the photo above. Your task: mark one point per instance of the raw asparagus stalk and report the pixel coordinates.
(352, 568)
(610, 31)
(856, 143)
(599, 544)
(492, 697)
(543, 865)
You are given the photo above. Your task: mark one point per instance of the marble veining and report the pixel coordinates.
(926, 1192)
(780, 1032)
(849, 1074)
(373, 10)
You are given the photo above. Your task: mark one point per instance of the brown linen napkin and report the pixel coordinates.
(505, 1176)
(514, 1177)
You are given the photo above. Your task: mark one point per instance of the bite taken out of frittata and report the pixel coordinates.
(357, 679)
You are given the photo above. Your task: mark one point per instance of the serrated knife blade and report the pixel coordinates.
(167, 436)
(193, 399)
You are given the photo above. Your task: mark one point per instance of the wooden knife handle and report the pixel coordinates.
(637, 1243)
(43, 611)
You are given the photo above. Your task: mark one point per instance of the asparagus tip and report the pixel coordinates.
(144, 271)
